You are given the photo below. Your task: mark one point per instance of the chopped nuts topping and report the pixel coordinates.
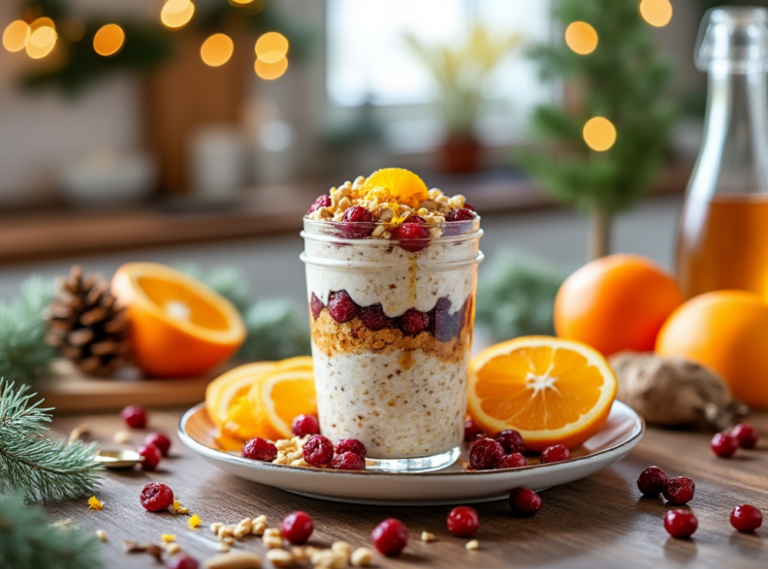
(362, 557)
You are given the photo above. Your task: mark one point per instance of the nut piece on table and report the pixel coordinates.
(280, 557)
(473, 544)
(427, 537)
(362, 557)
(237, 560)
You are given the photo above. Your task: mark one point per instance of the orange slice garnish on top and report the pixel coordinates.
(396, 185)
(550, 390)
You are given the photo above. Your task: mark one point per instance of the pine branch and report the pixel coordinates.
(24, 354)
(29, 541)
(32, 463)
(275, 331)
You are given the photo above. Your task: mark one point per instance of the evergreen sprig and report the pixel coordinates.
(32, 463)
(24, 354)
(29, 541)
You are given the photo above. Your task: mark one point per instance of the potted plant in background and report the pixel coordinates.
(463, 73)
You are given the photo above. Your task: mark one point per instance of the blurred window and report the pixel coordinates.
(368, 60)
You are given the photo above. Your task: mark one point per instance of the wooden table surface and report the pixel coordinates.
(597, 522)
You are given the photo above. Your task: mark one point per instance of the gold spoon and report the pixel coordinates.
(118, 459)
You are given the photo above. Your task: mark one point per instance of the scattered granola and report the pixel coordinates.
(272, 538)
(178, 509)
(280, 557)
(427, 537)
(172, 548)
(362, 557)
(101, 534)
(95, 504)
(237, 560)
(151, 549)
(472, 544)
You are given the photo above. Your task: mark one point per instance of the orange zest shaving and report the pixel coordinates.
(95, 504)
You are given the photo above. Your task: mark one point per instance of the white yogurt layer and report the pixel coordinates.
(394, 412)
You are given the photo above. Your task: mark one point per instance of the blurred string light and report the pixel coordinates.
(109, 40)
(599, 134)
(16, 36)
(658, 13)
(581, 38)
(217, 50)
(177, 13)
(42, 38)
(272, 47)
(271, 71)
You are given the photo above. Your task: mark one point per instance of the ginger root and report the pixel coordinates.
(673, 391)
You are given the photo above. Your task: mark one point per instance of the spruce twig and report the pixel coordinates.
(32, 463)
(28, 541)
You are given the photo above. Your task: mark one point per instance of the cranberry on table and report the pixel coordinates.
(680, 524)
(524, 502)
(322, 201)
(679, 490)
(297, 527)
(555, 453)
(746, 435)
(374, 318)
(350, 445)
(413, 322)
(134, 416)
(303, 425)
(746, 518)
(724, 445)
(511, 440)
(316, 306)
(318, 451)
(471, 430)
(651, 481)
(348, 461)
(485, 454)
(182, 562)
(463, 521)
(357, 223)
(341, 306)
(156, 497)
(390, 537)
(160, 440)
(514, 460)
(259, 449)
(412, 234)
(152, 456)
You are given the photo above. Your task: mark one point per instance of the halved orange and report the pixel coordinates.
(403, 184)
(279, 396)
(179, 326)
(550, 390)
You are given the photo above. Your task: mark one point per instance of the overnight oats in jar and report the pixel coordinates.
(391, 275)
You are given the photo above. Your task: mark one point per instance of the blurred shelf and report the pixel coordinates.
(52, 234)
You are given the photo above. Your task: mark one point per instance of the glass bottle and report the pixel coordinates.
(723, 232)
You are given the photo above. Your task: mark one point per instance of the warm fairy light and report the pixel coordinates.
(272, 47)
(177, 13)
(271, 71)
(16, 36)
(240, 2)
(217, 50)
(658, 13)
(109, 40)
(599, 134)
(42, 39)
(581, 38)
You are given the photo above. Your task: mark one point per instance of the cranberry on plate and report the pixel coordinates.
(297, 527)
(152, 456)
(485, 454)
(348, 461)
(318, 451)
(390, 537)
(471, 430)
(160, 440)
(524, 502)
(555, 453)
(156, 497)
(746, 518)
(679, 490)
(135, 416)
(303, 425)
(680, 524)
(746, 435)
(514, 460)
(651, 481)
(463, 521)
(511, 440)
(259, 449)
(350, 445)
(724, 445)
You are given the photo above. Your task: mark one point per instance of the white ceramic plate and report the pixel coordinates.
(452, 485)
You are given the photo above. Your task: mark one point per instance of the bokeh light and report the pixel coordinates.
(599, 134)
(271, 71)
(272, 47)
(217, 50)
(658, 13)
(42, 38)
(581, 38)
(177, 13)
(109, 40)
(16, 36)
(240, 2)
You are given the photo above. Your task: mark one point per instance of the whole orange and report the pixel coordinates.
(726, 331)
(616, 303)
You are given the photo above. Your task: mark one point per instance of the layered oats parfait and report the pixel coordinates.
(391, 274)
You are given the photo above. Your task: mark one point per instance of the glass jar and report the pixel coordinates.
(391, 340)
(723, 233)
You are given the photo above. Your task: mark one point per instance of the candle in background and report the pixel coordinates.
(217, 162)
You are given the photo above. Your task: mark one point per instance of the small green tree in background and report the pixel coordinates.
(623, 80)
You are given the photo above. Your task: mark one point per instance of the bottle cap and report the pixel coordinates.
(734, 36)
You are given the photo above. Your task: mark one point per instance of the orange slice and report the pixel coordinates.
(179, 326)
(277, 397)
(223, 391)
(552, 391)
(403, 185)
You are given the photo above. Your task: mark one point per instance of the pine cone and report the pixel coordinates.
(86, 325)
